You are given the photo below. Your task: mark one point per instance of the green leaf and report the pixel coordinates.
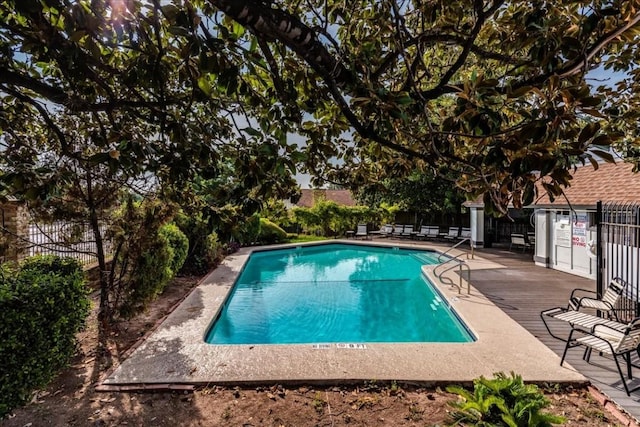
(601, 140)
(238, 30)
(204, 85)
(253, 132)
(519, 92)
(404, 100)
(604, 155)
(588, 132)
(170, 11)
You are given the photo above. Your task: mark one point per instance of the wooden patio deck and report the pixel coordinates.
(523, 290)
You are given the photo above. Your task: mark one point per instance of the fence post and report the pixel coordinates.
(599, 263)
(14, 230)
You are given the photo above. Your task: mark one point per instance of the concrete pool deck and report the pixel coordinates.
(176, 353)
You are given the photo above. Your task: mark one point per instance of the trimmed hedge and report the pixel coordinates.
(43, 304)
(270, 232)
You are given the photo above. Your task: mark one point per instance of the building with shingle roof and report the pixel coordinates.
(611, 182)
(309, 197)
(565, 228)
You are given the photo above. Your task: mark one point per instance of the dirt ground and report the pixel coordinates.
(71, 400)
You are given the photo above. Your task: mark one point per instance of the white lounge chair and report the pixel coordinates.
(611, 341)
(398, 229)
(407, 231)
(424, 229)
(576, 319)
(434, 232)
(519, 240)
(385, 231)
(574, 315)
(453, 234)
(361, 231)
(465, 233)
(607, 303)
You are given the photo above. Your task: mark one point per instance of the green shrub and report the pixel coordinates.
(150, 272)
(270, 232)
(203, 249)
(247, 232)
(179, 245)
(502, 401)
(214, 250)
(43, 305)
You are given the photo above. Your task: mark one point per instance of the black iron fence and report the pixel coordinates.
(618, 252)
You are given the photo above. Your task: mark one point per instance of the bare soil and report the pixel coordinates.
(71, 400)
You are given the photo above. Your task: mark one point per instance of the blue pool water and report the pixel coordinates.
(336, 293)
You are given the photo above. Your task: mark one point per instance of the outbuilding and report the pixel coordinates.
(565, 228)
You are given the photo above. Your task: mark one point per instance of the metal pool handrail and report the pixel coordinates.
(457, 262)
(466, 239)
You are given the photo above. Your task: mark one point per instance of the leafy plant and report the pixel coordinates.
(330, 219)
(270, 232)
(204, 246)
(502, 401)
(319, 403)
(42, 305)
(179, 245)
(143, 255)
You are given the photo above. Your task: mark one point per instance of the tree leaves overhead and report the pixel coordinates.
(495, 93)
(162, 89)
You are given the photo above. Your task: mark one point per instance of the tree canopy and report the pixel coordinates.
(495, 93)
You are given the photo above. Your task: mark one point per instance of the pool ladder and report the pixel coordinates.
(451, 264)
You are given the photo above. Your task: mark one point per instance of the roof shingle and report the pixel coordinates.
(611, 182)
(310, 196)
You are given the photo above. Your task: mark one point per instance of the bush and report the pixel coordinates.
(179, 245)
(502, 401)
(270, 232)
(150, 273)
(248, 231)
(202, 253)
(214, 250)
(42, 306)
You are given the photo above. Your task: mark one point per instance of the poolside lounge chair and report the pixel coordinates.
(398, 229)
(385, 231)
(576, 319)
(573, 315)
(434, 232)
(428, 232)
(610, 341)
(519, 240)
(361, 231)
(423, 231)
(407, 231)
(465, 233)
(607, 303)
(453, 234)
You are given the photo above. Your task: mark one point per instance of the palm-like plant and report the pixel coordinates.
(502, 401)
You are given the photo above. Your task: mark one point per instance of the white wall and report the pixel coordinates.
(561, 241)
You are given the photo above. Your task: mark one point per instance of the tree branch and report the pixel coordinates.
(276, 24)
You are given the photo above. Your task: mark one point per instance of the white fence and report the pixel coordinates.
(70, 239)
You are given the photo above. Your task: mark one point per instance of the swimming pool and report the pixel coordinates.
(336, 293)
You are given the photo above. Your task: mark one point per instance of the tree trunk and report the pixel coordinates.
(105, 313)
